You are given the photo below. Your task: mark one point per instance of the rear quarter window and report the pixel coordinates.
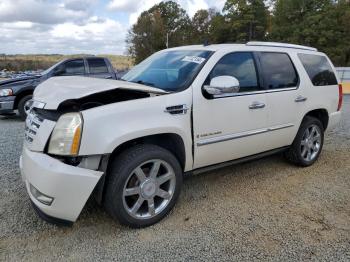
(319, 69)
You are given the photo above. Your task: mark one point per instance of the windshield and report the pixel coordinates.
(169, 70)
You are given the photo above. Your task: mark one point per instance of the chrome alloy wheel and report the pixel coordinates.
(149, 189)
(311, 143)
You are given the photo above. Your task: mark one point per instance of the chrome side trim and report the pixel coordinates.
(256, 92)
(241, 135)
(279, 127)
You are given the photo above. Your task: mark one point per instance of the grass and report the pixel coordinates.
(36, 62)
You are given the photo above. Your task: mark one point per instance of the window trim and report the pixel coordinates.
(263, 74)
(258, 78)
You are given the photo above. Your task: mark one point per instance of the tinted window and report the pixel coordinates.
(97, 66)
(74, 67)
(318, 69)
(240, 66)
(278, 70)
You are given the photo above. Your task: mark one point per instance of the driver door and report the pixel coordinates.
(234, 125)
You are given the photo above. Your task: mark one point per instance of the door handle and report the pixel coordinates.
(257, 105)
(300, 99)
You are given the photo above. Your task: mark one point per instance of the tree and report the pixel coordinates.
(146, 36)
(247, 19)
(202, 29)
(164, 25)
(324, 24)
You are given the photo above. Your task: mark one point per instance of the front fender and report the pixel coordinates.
(107, 127)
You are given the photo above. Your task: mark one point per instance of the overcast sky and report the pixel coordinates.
(75, 26)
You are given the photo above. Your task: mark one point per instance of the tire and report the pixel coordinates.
(129, 191)
(21, 106)
(305, 142)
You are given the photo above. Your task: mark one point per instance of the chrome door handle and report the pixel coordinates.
(256, 105)
(300, 99)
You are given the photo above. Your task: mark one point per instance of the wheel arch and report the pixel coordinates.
(21, 95)
(321, 114)
(170, 141)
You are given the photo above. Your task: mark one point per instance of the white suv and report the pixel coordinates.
(183, 110)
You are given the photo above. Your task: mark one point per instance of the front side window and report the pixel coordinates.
(319, 69)
(97, 66)
(169, 70)
(278, 71)
(239, 65)
(74, 67)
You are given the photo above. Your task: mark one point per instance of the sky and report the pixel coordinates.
(75, 26)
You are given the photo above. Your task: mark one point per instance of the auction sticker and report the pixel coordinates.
(193, 59)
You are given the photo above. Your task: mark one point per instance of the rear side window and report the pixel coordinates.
(97, 66)
(318, 69)
(278, 70)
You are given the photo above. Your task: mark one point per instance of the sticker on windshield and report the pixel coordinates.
(193, 59)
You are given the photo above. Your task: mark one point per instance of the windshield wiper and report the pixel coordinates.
(144, 83)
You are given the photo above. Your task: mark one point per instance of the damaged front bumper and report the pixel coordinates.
(58, 191)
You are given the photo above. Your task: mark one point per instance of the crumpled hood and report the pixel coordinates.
(58, 89)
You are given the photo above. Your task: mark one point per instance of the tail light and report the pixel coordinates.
(340, 101)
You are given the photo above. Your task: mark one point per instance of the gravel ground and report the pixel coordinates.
(266, 210)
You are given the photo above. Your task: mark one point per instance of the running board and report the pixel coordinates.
(236, 161)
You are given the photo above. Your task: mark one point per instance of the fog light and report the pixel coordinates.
(42, 198)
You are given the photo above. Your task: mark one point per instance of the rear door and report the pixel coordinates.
(284, 96)
(97, 67)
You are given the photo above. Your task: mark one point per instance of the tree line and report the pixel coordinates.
(324, 24)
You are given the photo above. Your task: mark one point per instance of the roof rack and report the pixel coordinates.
(276, 44)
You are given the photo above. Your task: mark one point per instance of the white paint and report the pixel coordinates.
(107, 127)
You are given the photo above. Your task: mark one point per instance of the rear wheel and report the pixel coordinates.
(307, 144)
(143, 185)
(24, 106)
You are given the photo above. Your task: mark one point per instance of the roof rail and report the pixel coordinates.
(276, 44)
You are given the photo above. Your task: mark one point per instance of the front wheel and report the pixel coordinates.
(24, 106)
(143, 185)
(307, 144)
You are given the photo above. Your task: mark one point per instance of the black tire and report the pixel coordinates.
(294, 153)
(21, 104)
(119, 175)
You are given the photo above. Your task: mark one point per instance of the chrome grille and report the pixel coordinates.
(32, 126)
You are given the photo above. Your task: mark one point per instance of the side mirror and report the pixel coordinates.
(222, 85)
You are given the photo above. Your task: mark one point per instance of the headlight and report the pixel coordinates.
(65, 138)
(6, 92)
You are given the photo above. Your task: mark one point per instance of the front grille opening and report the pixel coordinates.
(32, 126)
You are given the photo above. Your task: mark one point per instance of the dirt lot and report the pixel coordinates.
(266, 210)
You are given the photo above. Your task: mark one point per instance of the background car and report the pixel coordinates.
(15, 94)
